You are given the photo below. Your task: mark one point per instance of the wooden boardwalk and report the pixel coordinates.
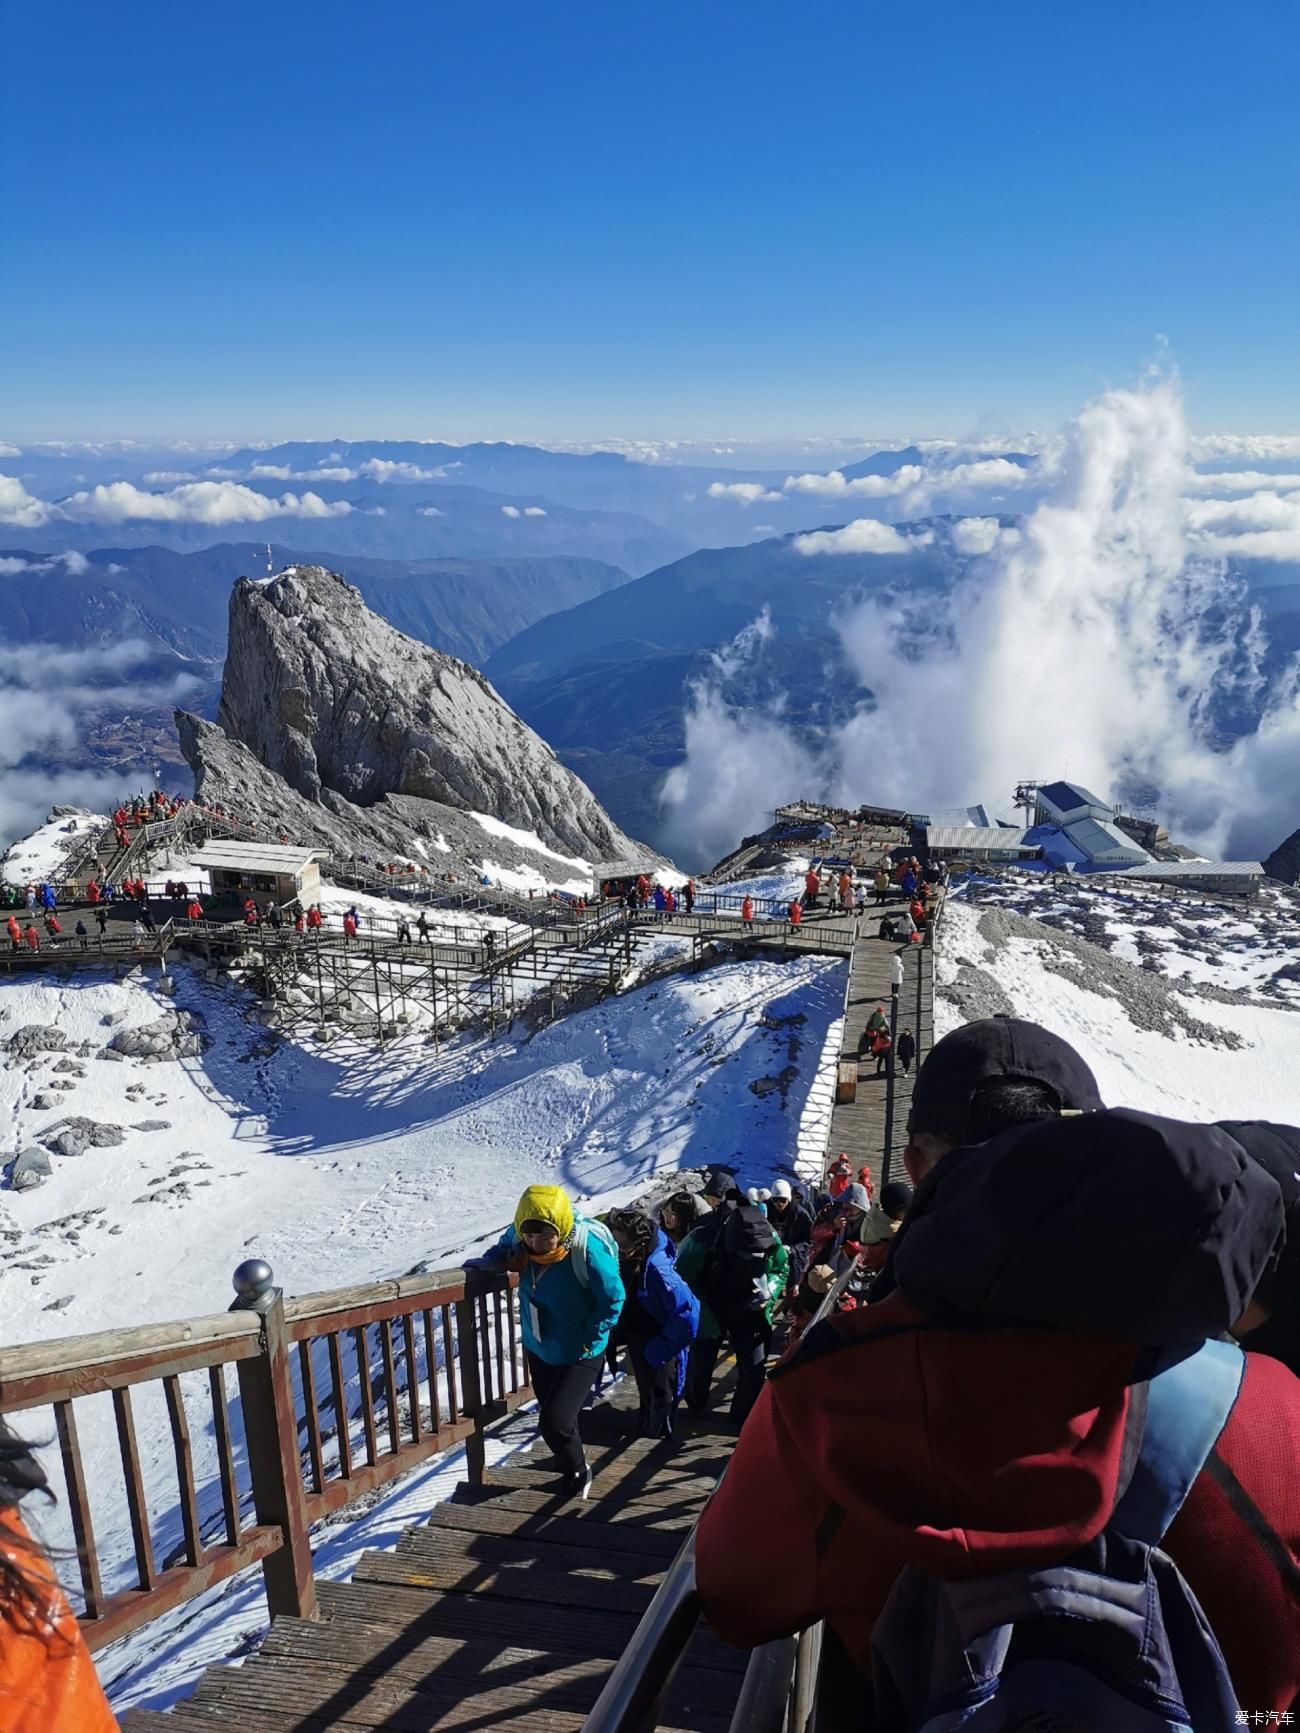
(858, 1127)
(507, 1608)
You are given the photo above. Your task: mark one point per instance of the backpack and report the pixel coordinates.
(734, 1280)
(1111, 1638)
(583, 1231)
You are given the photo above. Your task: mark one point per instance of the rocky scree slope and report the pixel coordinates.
(336, 728)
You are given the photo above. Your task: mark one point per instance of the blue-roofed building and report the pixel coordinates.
(1105, 844)
(1065, 802)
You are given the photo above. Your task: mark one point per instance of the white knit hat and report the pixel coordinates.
(781, 1188)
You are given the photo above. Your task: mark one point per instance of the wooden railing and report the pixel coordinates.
(387, 1375)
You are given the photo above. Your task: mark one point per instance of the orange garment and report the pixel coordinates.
(47, 1678)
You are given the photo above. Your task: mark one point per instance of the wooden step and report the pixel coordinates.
(321, 1696)
(415, 1614)
(637, 1481)
(673, 1517)
(420, 1611)
(465, 1576)
(525, 1552)
(365, 1659)
(541, 1526)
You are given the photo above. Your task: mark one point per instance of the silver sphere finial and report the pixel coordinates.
(254, 1284)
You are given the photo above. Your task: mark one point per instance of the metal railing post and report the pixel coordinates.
(271, 1439)
(888, 1152)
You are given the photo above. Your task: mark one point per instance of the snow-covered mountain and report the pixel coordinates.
(337, 729)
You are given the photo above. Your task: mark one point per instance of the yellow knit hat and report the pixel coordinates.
(546, 1203)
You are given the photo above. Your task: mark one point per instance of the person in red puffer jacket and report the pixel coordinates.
(983, 1416)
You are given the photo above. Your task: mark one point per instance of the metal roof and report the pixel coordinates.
(255, 857)
(1197, 869)
(1069, 796)
(1097, 839)
(978, 839)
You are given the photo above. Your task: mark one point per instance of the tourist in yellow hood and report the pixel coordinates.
(570, 1298)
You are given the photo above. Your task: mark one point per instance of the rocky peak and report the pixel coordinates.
(349, 714)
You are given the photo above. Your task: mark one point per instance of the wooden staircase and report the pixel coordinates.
(506, 1608)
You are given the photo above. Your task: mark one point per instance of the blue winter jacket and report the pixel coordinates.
(564, 1321)
(671, 1304)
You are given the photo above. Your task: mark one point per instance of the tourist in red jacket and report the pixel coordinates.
(982, 1418)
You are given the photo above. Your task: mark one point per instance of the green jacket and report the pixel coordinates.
(692, 1255)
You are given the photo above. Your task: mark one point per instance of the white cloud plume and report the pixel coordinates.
(203, 502)
(510, 511)
(865, 535)
(1103, 636)
(745, 492)
(20, 508)
(428, 511)
(534, 511)
(162, 477)
(9, 450)
(738, 763)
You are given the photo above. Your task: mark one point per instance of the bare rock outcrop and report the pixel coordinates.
(334, 725)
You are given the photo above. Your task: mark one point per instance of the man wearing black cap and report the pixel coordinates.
(987, 1076)
(985, 1417)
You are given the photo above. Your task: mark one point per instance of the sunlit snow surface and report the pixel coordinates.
(1246, 958)
(348, 1164)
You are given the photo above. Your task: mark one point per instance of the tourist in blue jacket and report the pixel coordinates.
(661, 1318)
(570, 1297)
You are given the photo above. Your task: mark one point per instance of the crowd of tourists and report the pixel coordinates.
(1043, 1394)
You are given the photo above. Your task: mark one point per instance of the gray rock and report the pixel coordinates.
(339, 730)
(58, 1305)
(77, 1134)
(43, 1100)
(170, 1036)
(35, 1038)
(30, 1167)
(152, 1125)
(111, 1019)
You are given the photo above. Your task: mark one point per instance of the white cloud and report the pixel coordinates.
(281, 472)
(510, 511)
(74, 563)
(745, 492)
(534, 511)
(20, 508)
(1254, 447)
(1260, 511)
(9, 450)
(1240, 481)
(428, 511)
(385, 469)
(206, 502)
(980, 535)
(161, 477)
(835, 485)
(865, 535)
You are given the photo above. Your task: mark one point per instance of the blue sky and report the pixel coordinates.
(566, 219)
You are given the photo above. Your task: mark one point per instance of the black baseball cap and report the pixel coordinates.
(996, 1047)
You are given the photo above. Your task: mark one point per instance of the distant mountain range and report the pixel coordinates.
(467, 608)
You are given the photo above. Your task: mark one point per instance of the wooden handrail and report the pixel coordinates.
(429, 1366)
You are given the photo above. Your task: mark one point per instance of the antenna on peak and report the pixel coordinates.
(270, 563)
